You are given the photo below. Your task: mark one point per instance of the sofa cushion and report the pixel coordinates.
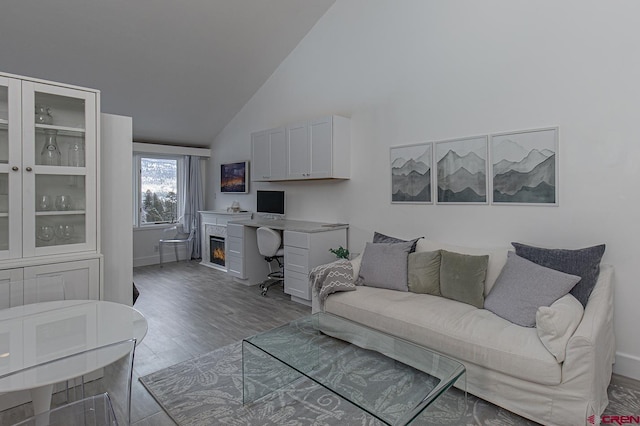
(524, 286)
(385, 265)
(584, 263)
(455, 329)
(497, 257)
(557, 323)
(382, 238)
(462, 277)
(424, 272)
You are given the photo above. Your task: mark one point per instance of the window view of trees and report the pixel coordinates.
(159, 190)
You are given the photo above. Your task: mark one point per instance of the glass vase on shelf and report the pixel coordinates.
(75, 154)
(43, 114)
(50, 154)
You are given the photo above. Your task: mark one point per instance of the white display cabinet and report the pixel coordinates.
(48, 174)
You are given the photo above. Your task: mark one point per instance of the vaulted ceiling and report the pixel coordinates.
(181, 69)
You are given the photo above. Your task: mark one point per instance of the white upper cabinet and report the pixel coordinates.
(48, 182)
(319, 149)
(268, 155)
(315, 149)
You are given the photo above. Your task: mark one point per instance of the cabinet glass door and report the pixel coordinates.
(60, 182)
(10, 167)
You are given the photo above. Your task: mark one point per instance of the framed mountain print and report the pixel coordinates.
(524, 167)
(411, 173)
(462, 170)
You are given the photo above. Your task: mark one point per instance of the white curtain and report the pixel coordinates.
(193, 201)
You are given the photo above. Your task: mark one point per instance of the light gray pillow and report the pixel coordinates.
(424, 272)
(523, 287)
(462, 277)
(384, 265)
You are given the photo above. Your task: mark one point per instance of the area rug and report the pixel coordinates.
(208, 391)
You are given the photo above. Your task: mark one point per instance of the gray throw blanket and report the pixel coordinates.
(330, 278)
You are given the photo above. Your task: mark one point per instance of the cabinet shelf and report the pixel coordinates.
(60, 170)
(62, 130)
(4, 214)
(4, 123)
(60, 212)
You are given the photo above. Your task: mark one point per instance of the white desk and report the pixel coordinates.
(40, 332)
(306, 244)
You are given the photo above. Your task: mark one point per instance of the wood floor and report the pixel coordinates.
(192, 310)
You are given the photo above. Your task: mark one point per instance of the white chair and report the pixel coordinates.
(178, 238)
(111, 406)
(270, 246)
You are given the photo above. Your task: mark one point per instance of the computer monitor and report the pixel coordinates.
(270, 203)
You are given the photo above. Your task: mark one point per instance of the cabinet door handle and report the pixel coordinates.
(15, 168)
(29, 169)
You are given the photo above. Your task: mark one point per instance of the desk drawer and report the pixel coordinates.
(297, 284)
(296, 259)
(297, 239)
(235, 230)
(235, 267)
(234, 246)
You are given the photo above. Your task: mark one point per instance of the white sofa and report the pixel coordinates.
(506, 364)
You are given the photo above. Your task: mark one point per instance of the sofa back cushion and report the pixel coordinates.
(497, 257)
(462, 277)
(424, 272)
(584, 263)
(524, 286)
(384, 265)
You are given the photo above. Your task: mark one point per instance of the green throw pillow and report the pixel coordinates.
(424, 272)
(462, 277)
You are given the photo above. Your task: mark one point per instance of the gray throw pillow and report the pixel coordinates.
(462, 277)
(523, 286)
(384, 265)
(381, 238)
(424, 272)
(584, 263)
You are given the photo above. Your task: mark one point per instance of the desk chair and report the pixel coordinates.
(270, 246)
(179, 237)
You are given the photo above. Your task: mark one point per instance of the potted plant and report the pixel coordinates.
(340, 252)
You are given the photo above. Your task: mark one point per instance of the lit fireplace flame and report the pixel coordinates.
(218, 253)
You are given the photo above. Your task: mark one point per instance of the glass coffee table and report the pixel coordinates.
(390, 378)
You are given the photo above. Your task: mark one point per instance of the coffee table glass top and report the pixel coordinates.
(390, 378)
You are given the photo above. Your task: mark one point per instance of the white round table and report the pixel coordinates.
(41, 332)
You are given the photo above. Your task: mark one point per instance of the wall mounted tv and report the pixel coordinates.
(270, 202)
(233, 178)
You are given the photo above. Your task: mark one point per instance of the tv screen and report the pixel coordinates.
(270, 202)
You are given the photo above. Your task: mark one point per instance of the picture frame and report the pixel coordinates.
(461, 170)
(411, 173)
(524, 167)
(233, 178)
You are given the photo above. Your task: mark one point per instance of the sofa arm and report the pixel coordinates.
(591, 349)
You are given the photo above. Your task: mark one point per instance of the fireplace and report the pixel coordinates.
(216, 250)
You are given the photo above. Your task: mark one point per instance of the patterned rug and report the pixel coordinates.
(208, 391)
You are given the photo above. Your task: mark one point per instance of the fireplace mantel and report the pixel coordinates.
(214, 223)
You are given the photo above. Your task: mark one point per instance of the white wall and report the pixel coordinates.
(116, 204)
(426, 70)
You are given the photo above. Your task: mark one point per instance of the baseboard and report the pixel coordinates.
(148, 260)
(627, 365)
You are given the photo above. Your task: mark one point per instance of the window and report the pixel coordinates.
(158, 189)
